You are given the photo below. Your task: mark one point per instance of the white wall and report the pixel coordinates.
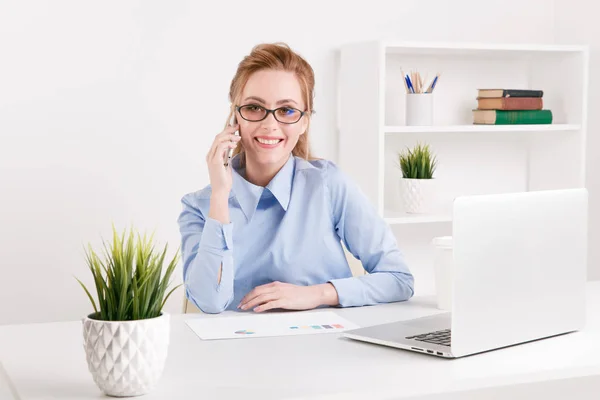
(576, 22)
(107, 110)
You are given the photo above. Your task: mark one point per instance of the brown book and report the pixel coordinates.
(510, 103)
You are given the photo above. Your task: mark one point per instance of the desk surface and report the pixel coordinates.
(7, 390)
(47, 361)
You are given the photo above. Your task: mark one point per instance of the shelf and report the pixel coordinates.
(473, 159)
(480, 49)
(482, 128)
(394, 217)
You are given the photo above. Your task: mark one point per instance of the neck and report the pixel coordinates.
(262, 174)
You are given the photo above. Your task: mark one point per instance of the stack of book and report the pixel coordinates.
(510, 106)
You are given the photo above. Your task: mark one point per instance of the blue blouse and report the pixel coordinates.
(290, 231)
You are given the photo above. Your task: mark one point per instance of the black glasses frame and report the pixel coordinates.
(238, 109)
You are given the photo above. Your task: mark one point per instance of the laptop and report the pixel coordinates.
(520, 269)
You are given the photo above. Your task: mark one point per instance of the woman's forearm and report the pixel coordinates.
(219, 207)
(219, 210)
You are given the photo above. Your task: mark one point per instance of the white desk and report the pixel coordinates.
(7, 390)
(47, 361)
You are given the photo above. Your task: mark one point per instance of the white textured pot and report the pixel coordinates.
(417, 194)
(126, 358)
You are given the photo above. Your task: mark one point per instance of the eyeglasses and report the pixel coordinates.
(256, 113)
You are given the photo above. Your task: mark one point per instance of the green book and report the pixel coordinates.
(511, 117)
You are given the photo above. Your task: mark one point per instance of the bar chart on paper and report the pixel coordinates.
(286, 324)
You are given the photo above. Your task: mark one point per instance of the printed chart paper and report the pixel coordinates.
(293, 323)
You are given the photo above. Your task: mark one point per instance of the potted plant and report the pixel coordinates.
(126, 338)
(417, 183)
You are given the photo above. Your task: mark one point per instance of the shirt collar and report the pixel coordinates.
(248, 195)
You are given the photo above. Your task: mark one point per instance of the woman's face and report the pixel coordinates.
(270, 142)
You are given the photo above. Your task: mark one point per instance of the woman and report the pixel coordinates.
(266, 233)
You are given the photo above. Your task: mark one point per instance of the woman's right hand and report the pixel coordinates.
(220, 175)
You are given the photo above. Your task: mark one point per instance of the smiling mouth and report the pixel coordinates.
(270, 142)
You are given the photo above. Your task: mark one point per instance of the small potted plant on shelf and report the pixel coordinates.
(417, 183)
(126, 338)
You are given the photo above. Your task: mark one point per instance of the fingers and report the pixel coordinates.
(251, 294)
(261, 299)
(220, 151)
(270, 306)
(226, 135)
(257, 291)
(254, 293)
(230, 129)
(221, 137)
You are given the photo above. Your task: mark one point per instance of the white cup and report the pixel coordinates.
(443, 269)
(419, 109)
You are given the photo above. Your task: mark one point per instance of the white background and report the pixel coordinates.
(107, 109)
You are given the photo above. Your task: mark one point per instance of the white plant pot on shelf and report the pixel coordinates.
(126, 358)
(417, 195)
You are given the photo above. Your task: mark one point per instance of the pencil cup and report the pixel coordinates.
(419, 109)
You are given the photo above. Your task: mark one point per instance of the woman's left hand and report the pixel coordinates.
(288, 296)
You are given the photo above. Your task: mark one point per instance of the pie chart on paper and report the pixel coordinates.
(244, 332)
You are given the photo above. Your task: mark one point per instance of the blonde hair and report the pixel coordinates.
(276, 56)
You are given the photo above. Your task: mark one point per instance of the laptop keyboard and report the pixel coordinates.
(442, 337)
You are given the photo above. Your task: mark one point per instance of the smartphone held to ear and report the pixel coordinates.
(229, 154)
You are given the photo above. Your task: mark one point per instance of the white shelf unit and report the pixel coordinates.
(473, 159)
(482, 128)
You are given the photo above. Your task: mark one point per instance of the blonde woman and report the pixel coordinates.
(267, 232)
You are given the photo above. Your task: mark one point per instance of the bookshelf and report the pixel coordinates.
(395, 217)
(473, 159)
(482, 128)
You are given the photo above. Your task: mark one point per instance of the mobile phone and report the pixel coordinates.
(229, 154)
